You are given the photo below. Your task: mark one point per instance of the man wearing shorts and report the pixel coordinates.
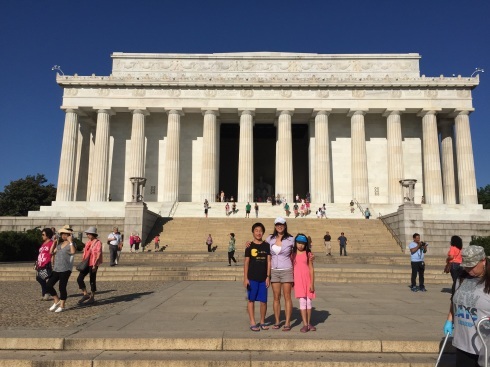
(256, 276)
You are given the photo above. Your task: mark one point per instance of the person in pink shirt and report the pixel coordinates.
(93, 251)
(454, 258)
(43, 263)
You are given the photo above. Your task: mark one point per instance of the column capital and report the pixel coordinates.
(107, 110)
(210, 111)
(456, 113)
(285, 112)
(174, 111)
(390, 112)
(142, 111)
(322, 111)
(354, 112)
(432, 111)
(73, 109)
(246, 111)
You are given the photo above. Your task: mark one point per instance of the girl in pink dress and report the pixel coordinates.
(304, 279)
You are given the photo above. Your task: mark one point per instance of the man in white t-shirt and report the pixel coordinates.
(417, 251)
(114, 239)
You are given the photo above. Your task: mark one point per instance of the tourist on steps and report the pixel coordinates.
(92, 251)
(231, 249)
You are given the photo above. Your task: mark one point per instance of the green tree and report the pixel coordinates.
(484, 196)
(26, 194)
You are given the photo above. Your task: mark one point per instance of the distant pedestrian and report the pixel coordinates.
(324, 211)
(343, 244)
(222, 196)
(206, 207)
(367, 213)
(256, 210)
(351, 205)
(286, 209)
(248, 208)
(417, 254)
(231, 249)
(131, 242)
(233, 207)
(137, 242)
(209, 243)
(227, 209)
(328, 245)
(114, 240)
(156, 240)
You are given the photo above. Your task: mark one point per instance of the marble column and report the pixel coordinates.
(246, 158)
(100, 166)
(432, 164)
(209, 156)
(447, 158)
(360, 188)
(171, 178)
(322, 192)
(464, 159)
(284, 157)
(137, 157)
(66, 176)
(395, 156)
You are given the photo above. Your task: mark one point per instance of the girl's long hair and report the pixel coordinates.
(295, 249)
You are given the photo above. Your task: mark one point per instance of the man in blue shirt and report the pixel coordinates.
(417, 251)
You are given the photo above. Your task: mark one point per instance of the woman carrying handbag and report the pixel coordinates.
(92, 256)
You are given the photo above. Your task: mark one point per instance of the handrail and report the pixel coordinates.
(173, 209)
(359, 206)
(392, 232)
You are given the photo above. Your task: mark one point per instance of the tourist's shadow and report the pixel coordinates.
(317, 317)
(78, 295)
(118, 299)
(446, 290)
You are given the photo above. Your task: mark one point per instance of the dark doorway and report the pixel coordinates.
(301, 142)
(264, 161)
(228, 159)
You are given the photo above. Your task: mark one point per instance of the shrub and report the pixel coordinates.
(20, 246)
(481, 241)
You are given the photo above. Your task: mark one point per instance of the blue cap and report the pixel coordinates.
(301, 238)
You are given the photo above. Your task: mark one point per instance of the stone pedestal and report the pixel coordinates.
(410, 221)
(138, 219)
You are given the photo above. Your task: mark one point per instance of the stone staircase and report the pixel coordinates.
(189, 234)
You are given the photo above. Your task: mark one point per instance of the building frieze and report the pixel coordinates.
(269, 93)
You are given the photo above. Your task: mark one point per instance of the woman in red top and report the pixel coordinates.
(454, 258)
(44, 261)
(92, 251)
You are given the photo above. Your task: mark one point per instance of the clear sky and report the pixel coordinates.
(452, 36)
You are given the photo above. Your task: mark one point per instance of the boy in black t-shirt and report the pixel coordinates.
(256, 276)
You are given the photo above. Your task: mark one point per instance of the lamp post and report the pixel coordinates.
(138, 184)
(477, 70)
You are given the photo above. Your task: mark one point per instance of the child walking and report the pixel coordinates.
(256, 276)
(304, 279)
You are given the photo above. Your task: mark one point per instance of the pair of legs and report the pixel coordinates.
(93, 283)
(277, 290)
(417, 267)
(63, 279)
(247, 214)
(328, 248)
(455, 271)
(251, 312)
(43, 283)
(231, 256)
(343, 248)
(113, 254)
(209, 248)
(305, 309)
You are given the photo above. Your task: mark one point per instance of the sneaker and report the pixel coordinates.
(54, 306)
(414, 289)
(422, 289)
(83, 299)
(59, 309)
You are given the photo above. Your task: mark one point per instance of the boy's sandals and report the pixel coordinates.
(286, 328)
(254, 328)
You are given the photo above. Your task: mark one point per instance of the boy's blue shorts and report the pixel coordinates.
(257, 291)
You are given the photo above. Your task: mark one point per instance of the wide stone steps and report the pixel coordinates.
(189, 234)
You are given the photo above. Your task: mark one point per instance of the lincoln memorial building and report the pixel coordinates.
(260, 124)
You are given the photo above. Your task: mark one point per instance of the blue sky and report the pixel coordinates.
(451, 36)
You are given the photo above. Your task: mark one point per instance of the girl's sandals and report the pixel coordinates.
(311, 328)
(286, 328)
(304, 329)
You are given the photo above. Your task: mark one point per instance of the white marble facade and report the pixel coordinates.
(372, 120)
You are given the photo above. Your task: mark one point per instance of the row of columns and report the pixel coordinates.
(439, 184)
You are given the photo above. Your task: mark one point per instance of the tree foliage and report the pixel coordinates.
(484, 196)
(19, 246)
(481, 241)
(21, 196)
